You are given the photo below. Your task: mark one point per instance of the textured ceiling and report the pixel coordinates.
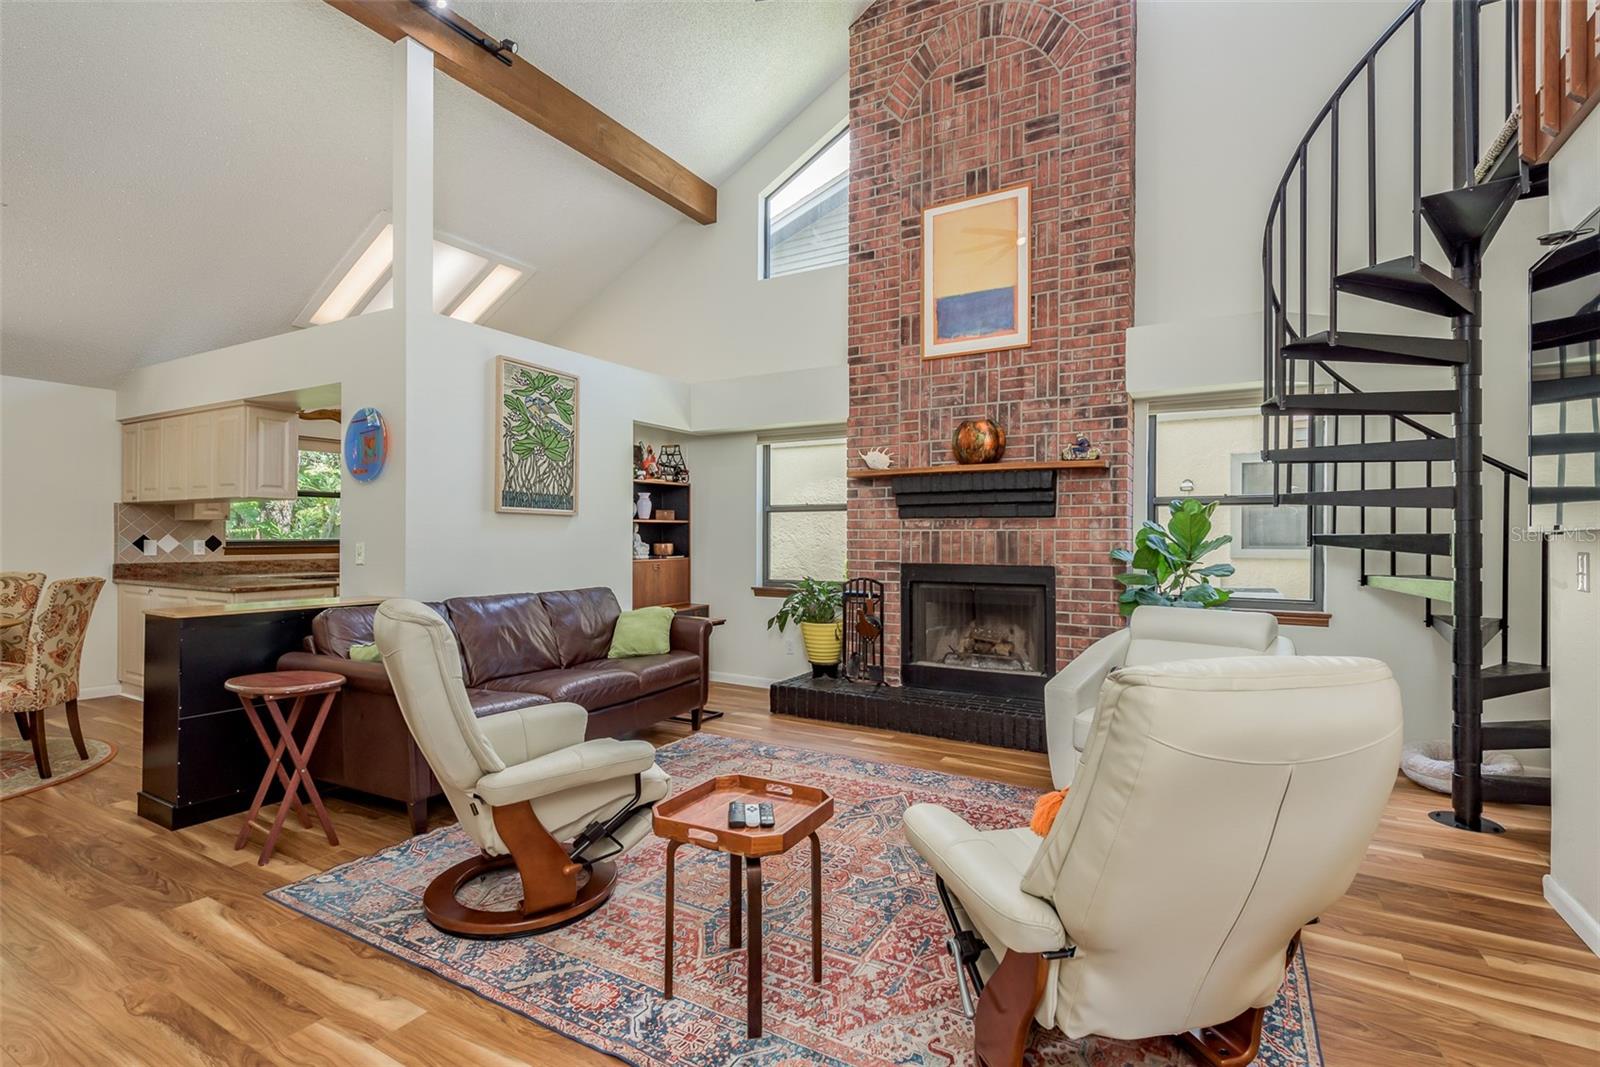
(177, 177)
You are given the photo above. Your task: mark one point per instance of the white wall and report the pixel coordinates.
(1573, 884)
(365, 357)
(693, 306)
(1207, 165)
(724, 558)
(60, 465)
(457, 543)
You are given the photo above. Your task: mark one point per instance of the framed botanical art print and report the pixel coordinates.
(975, 274)
(536, 454)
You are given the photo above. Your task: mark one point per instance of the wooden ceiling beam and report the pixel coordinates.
(535, 97)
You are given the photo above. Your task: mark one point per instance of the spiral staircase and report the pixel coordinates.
(1396, 471)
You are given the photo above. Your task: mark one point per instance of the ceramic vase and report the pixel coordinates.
(643, 509)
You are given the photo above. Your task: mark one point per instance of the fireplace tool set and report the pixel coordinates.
(863, 630)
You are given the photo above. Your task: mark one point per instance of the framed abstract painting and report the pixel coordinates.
(536, 453)
(975, 274)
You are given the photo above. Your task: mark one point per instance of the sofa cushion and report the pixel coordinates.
(333, 631)
(486, 702)
(502, 636)
(655, 673)
(584, 620)
(594, 689)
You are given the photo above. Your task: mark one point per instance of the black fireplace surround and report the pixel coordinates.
(978, 628)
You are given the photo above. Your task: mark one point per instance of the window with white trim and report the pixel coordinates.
(802, 510)
(805, 221)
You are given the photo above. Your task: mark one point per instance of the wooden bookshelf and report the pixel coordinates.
(663, 580)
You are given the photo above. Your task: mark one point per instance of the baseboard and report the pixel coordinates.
(131, 691)
(95, 691)
(1583, 924)
(749, 680)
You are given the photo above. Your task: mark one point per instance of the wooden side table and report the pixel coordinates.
(699, 816)
(272, 687)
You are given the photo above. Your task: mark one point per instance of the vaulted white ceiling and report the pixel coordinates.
(176, 177)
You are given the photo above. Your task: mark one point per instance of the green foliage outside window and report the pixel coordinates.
(312, 516)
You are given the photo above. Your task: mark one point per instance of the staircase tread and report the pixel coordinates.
(1409, 283)
(1471, 214)
(1416, 450)
(1348, 346)
(1384, 402)
(1552, 333)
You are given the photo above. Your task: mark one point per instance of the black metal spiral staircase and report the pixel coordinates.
(1371, 457)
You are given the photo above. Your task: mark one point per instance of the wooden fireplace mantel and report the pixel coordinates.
(978, 468)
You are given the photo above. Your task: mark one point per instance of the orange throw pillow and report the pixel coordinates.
(1044, 812)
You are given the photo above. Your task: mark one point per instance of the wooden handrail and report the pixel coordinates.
(1559, 52)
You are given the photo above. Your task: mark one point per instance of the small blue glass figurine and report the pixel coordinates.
(1080, 449)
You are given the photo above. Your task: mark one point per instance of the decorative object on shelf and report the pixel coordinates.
(978, 441)
(975, 274)
(863, 630)
(366, 445)
(661, 548)
(536, 464)
(1165, 561)
(640, 549)
(1080, 448)
(816, 606)
(672, 465)
(666, 514)
(877, 459)
(649, 465)
(638, 459)
(642, 507)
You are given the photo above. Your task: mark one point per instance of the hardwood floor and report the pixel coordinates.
(122, 943)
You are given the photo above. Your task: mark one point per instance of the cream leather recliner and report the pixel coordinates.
(1153, 635)
(1222, 804)
(521, 782)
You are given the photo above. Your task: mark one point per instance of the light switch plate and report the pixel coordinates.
(1583, 572)
(361, 553)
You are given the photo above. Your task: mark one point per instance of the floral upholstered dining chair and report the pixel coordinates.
(48, 675)
(19, 595)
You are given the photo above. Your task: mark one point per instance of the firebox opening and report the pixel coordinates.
(979, 628)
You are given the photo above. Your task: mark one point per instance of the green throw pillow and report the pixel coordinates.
(365, 653)
(642, 633)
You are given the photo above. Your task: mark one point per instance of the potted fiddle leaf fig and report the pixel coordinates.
(816, 606)
(1166, 562)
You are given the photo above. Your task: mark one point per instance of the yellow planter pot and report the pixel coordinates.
(823, 641)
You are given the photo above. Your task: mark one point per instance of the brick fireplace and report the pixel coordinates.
(948, 100)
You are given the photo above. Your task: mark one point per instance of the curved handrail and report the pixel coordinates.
(1277, 311)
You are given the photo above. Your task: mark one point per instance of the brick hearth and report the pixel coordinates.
(948, 100)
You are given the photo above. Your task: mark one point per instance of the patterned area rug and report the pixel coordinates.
(19, 776)
(888, 995)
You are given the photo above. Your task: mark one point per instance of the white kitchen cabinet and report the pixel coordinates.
(272, 456)
(202, 475)
(228, 447)
(149, 460)
(236, 452)
(175, 458)
(130, 464)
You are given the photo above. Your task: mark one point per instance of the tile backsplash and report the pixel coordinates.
(141, 525)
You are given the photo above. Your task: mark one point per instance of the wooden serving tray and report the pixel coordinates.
(699, 814)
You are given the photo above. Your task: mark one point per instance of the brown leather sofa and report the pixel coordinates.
(517, 650)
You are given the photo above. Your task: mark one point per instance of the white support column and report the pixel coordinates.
(413, 179)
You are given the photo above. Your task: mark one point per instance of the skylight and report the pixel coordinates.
(467, 283)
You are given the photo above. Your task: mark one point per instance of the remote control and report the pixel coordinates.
(767, 820)
(752, 816)
(736, 816)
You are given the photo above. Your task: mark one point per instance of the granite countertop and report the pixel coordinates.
(237, 583)
(208, 611)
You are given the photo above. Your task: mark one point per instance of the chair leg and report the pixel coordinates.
(41, 751)
(22, 723)
(417, 810)
(77, 730)
(1230, 1044)
(1005, 1010)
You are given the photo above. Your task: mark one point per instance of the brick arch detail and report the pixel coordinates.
(1055, 37)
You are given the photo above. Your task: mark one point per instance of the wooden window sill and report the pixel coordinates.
(776, 591)
(1319, 619)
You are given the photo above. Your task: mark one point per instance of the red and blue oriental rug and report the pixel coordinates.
(888, 996)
